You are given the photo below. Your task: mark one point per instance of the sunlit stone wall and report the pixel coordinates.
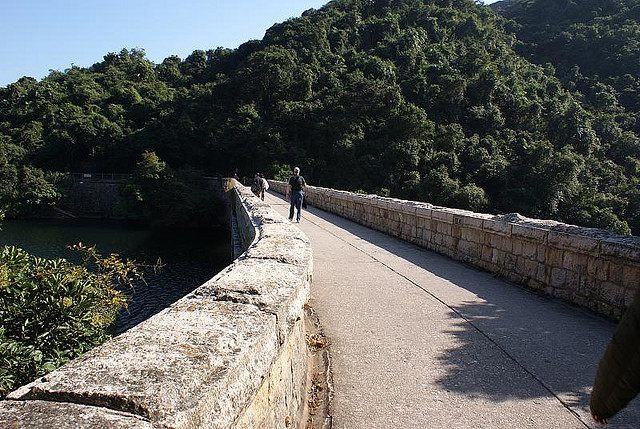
(589, 267)
(231, 354)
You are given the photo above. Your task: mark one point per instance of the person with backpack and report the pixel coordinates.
(295, 193)
(256, 185)
(264, 185)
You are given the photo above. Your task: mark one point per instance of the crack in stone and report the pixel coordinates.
(105, 401)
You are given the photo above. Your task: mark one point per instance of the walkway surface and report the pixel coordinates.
(418, 340)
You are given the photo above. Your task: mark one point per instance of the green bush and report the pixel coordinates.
(53, 311)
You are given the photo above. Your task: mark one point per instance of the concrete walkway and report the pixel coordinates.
(421, 341)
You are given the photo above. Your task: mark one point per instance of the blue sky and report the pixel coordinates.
(38, 35)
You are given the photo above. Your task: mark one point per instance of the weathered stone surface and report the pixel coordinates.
(554, 257)
(472, 221)
(598, 268)
(558, 277)
(195, 364)
(424, 211)
(280, 398)
(622, 249)
(498, 226)
(575, 262)
(573, 242)
(281, 242)
(277, 288)
(529, 232)
(631, 277)
(48, 415)
(472, 234)
(442, 216)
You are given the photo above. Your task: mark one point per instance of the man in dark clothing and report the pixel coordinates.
(295, 192)
(256, 185)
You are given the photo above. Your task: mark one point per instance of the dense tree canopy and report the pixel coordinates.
(427, 100)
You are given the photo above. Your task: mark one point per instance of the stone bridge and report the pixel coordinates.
(436, 318)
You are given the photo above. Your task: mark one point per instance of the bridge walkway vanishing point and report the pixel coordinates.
(418, 340)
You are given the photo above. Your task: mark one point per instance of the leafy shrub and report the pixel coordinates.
(53, 311)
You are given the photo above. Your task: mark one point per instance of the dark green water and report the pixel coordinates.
(190, 257)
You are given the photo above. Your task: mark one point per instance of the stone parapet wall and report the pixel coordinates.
(589, 267)
(231, 354)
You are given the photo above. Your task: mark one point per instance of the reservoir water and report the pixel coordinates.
(189, 257)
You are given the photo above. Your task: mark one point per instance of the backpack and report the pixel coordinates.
(297, 183)
(255, 186)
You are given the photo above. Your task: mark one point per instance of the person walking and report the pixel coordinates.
(256, 185)
(295, 193)
(264, 186)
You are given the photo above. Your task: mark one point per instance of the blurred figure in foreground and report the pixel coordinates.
(618, 378)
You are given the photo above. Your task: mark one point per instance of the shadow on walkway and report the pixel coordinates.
(554, 342)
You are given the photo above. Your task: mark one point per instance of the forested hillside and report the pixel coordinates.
(424, 100)
(594, 44)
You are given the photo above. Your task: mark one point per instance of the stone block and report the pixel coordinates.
(455, 230)
(492, 240)
(497, 257)
(442, 227)
(199, 360)
(281, 396)
(506, 244)
(520, 266)
(541, 273)
(65, 415)
(437, 239)
(514, 277)
(613, 294)
(615, 273)
(426, 235)
(630, 276)
(497, 226)
(613, 249)
(526, 267)
(530, 250)
(572, 280)
(534, 284)
(471, 234)
(529, 232)
(470, 249)
(423, 212)
(517, 247)
(554, 257)
(575, 262)
(487, 253)
(573, 242)
(558, 277)
(598, 268)
(381, 203)
(397, 206)
(442, 216)
(281, 242)
(274, 287)
(471, 222)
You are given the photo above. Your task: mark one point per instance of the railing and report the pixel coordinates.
(117, 177)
